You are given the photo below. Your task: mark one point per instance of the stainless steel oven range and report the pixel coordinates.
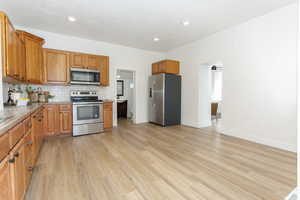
(87, 112)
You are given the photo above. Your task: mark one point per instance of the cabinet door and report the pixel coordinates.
(93, 62)
(104, 71)
(5, 180)
(172, 66)
(35, 137)
(28, 164)
(65, 122)
(78, 60)
(17, 168)
(56, 66)
(162, 67)
(107, 114)
(33, 61)
(51, 120)
(11, 39)
(21, 60)
(155, 68)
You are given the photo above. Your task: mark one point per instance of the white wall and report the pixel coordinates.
(121, 57)
(259, 94)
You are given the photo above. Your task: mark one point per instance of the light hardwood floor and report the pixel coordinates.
(148, 162)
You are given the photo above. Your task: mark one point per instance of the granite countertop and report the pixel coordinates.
(12, 115)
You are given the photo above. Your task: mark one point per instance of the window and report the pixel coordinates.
(120, 88)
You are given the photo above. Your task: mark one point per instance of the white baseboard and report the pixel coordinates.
(264, 141)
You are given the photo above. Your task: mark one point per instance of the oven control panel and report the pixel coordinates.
(80, 93)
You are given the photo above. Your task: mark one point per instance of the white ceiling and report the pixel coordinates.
(136, 22)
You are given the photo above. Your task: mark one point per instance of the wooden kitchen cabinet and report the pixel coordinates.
(33, 56)
(65, 121)
(93, 62)
(51, 120)
(11, 48)
(104, 71)
(5, 180)
(4, 145)
(17, 169)
(166, 66)
(56, 66)
(37, 134)
(58, 119)
(108, 115)
(21, 60)
(20, 152)
(28, 162)
(78, 60)
(12, 51)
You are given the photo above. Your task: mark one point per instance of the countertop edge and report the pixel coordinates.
(10, 123)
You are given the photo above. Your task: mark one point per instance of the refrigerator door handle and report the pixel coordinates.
(150, 93)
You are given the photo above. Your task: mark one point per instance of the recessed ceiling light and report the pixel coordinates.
(185, 23)
(71, 19)
(156, 39)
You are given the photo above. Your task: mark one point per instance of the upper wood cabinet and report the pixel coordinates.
(5, 180)
(21, 59)
(78, 60)
(166, 66)
(56, 66)
(85, 61)
(33, 57)
(104, 71)
(12, 50)
(93, 62)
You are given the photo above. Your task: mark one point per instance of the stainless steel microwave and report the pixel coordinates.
(84, 76)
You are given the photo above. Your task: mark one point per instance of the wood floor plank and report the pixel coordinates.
(149, 162)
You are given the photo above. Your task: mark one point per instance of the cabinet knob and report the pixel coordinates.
(17, 154)
(30, 168)
(11, 160)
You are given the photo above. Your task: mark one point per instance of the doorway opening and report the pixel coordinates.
(125, 87)
(216, 92)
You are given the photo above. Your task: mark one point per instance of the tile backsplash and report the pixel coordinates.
(61, 93)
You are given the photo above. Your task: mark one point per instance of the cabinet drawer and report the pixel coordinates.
(4, 145)
(16, 134)
(65, 107)
(28, 124)
(107, 106)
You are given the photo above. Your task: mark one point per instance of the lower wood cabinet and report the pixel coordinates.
(17, 168)
(23, 143)
(65, 121)
(58, 119)
(5, 180)
(51, 120)
(108, 114)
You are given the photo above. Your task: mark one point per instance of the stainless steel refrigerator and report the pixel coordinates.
(165, 99)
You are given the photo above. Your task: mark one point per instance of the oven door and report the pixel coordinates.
(84, 77)
(87, 113)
